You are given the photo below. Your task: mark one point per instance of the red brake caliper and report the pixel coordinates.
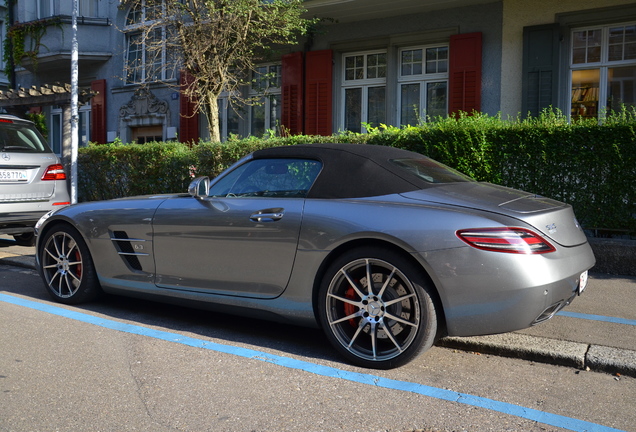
(78, 267)
(349, 308)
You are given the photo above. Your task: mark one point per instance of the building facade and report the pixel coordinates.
(374, 62)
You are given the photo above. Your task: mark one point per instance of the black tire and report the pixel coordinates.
(381, 325)
(66, 266)
(25, 239)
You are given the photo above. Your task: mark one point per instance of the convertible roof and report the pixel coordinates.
(352, 170)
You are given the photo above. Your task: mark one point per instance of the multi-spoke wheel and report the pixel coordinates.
(376, 309)
(66, 266)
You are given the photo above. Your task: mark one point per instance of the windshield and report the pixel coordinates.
(431, 171)
(17, 137)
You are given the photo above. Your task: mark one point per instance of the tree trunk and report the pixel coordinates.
(212, 114)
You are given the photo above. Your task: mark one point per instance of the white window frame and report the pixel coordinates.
(227, 108)
(364, 84)
(423, 79)
(602, 66)
(141, 73)
(269, 95)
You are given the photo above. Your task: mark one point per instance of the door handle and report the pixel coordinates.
(269, 215)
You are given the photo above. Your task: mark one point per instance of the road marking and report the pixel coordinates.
(597, 318)
(321, 370)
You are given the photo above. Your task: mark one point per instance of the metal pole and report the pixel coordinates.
(74, 103)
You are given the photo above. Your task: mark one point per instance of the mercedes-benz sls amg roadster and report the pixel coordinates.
(384, 249)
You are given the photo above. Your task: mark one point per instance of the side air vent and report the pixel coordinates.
(130, 249)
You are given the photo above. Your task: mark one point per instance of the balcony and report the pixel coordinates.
(360, 10)
(47, 44)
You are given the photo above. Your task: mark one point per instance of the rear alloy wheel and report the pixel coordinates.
(376, 308)
(66, 266)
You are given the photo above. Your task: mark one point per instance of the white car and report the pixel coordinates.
(32, 179)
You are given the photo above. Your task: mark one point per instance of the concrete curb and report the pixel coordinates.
(515, 345)
(24, 261)
(544, 350)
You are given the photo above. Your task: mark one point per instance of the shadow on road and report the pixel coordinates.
(235, 330)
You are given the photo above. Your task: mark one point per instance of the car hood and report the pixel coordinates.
(552, 218)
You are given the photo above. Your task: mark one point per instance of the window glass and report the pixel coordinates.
(436, 99)
(134, 63)
(354, 67)
(412, 62)
(88, 8)
(586, 46)
(265, 116)
(622, 43)
(258, 120)
(376, 106)
(353, 109)
(55, 133)
(45, 8)
(436, 60)
(148, 57)
(603, 70)
(364, 89)
(19, 138)
(621, 87)
(278, 178)
(422, 94)
(410, 104)
(431, 171)
(376, 66)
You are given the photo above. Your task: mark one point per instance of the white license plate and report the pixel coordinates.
(582, 282)
(13, 175)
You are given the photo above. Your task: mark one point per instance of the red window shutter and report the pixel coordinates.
(98, 112)
(188, 118)
(292, 93)
(465, 73)
(318, 92)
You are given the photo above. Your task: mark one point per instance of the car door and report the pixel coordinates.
(241, 239)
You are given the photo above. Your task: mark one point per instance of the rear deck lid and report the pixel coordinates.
(551, 218)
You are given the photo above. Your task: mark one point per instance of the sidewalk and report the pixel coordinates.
(596, 332)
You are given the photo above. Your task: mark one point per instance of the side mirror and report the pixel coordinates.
(199, 187)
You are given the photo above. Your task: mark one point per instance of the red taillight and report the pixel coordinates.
(6, 121)
(509, 240)
(54, 172)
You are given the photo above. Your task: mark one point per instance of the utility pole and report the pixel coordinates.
(74, 103)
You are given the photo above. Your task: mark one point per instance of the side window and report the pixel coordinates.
(279, 178)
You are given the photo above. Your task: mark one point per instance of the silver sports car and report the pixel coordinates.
(384, 249)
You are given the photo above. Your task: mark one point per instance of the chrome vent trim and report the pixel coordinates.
(128, 248)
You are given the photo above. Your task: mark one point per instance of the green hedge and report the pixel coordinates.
(591, 166)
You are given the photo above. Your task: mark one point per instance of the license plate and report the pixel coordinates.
(13, 175)
(582, 282)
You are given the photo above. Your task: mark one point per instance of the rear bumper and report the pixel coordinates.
(19, 225)
(490, 292)
(18, 221)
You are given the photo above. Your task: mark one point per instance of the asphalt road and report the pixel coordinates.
(126, 365)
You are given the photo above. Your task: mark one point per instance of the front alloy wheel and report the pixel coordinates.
(66, 266)
(376, 309)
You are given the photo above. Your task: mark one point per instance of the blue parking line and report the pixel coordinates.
(597, 318)
(326, 371)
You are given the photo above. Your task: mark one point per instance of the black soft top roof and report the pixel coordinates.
(352, 170)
